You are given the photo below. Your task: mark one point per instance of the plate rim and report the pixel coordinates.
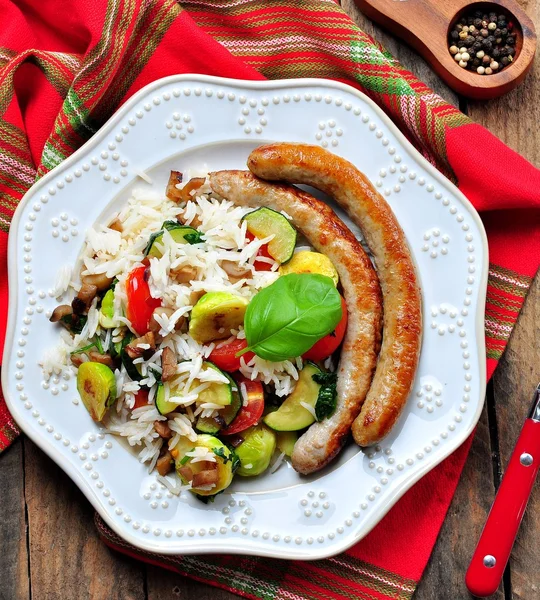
(393, 497)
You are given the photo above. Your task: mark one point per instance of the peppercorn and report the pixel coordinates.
(486, 45)
(510, 40)
(480, 70)
(495, 53)
(457, 57)
(463, 35)
(462, 63)
(486, 60)
(494, 65)
(476, 47)
(465, 56)
(504, 32)
(475, 62)
(469, 41)
(492, 26)
(477, 21)
(491, 38)
(454, 35)
(504, 60)
(511, 52)
(488, 71)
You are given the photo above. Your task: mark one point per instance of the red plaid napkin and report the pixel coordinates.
(65, 69)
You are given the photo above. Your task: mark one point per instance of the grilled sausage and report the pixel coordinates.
(402, 328)
(318, 222)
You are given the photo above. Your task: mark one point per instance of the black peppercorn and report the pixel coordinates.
(495, 53)
(454, 36)
(469, 41)
(491, 38)
(463, 21)
(504, 60)
(504, 32)
(486, 45)
(476, 62)
(484, 33)
(510, 40)
(478, 14)
(497, 33)
(476, 47)
(511, 51)
(478, 21)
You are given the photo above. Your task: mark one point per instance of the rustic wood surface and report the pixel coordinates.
(50, 549)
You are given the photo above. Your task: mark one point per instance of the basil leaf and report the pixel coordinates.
(327, 398)
(286, 318)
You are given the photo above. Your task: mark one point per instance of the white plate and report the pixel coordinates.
(186, 120)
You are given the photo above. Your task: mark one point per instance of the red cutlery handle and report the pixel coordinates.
(491, 555)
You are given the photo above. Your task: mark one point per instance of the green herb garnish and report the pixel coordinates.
(194, 238)
(186, 458)
(288, 317)
(326, 400)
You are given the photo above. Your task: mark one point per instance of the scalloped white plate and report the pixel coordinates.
(184, 121)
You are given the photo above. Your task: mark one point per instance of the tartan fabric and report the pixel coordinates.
(64, 72)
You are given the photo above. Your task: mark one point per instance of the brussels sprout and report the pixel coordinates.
(212, 477)
(96, 385)
(255, 452)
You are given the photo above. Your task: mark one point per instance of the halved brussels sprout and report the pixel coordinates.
(96, 385)
(255, 452)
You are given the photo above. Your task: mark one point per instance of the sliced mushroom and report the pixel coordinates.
(133, 350)
(164, 464)
(60, 312)
(77, 360)
(116, 225)
(205, 478)
(168, 364)
(163, 429)
(164, 311)
(84, 298)
(186, 472)
(194, 297)
(100, 280)
(234, 269)
(183, 274)
(104, 359)
(195, 222)
(191, 186)
(172, 192)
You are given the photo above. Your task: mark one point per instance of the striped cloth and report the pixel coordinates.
(63, 72)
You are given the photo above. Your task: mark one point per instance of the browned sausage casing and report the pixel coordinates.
(402, 329)
(329, 235)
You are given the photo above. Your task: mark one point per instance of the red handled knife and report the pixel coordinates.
(493, 550)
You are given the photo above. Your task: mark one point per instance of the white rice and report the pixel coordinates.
(116, 254)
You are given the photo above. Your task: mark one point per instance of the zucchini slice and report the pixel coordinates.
(264, 222)
(226, 414)
(291, 415)
(181, 234)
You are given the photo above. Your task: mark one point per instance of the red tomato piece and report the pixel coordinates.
(140, 304)
(141, 398)
(329, 343)
(252, 411)
(225, 357)
(260, 265)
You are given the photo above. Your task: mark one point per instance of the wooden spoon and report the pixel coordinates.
(425, 25)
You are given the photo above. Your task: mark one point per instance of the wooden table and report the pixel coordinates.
(49, 546)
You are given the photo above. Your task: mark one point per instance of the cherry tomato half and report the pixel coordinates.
(141, 398)
(140, 304)
(329, 343)
(260, 265)
(252, 412)
(225, 357)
